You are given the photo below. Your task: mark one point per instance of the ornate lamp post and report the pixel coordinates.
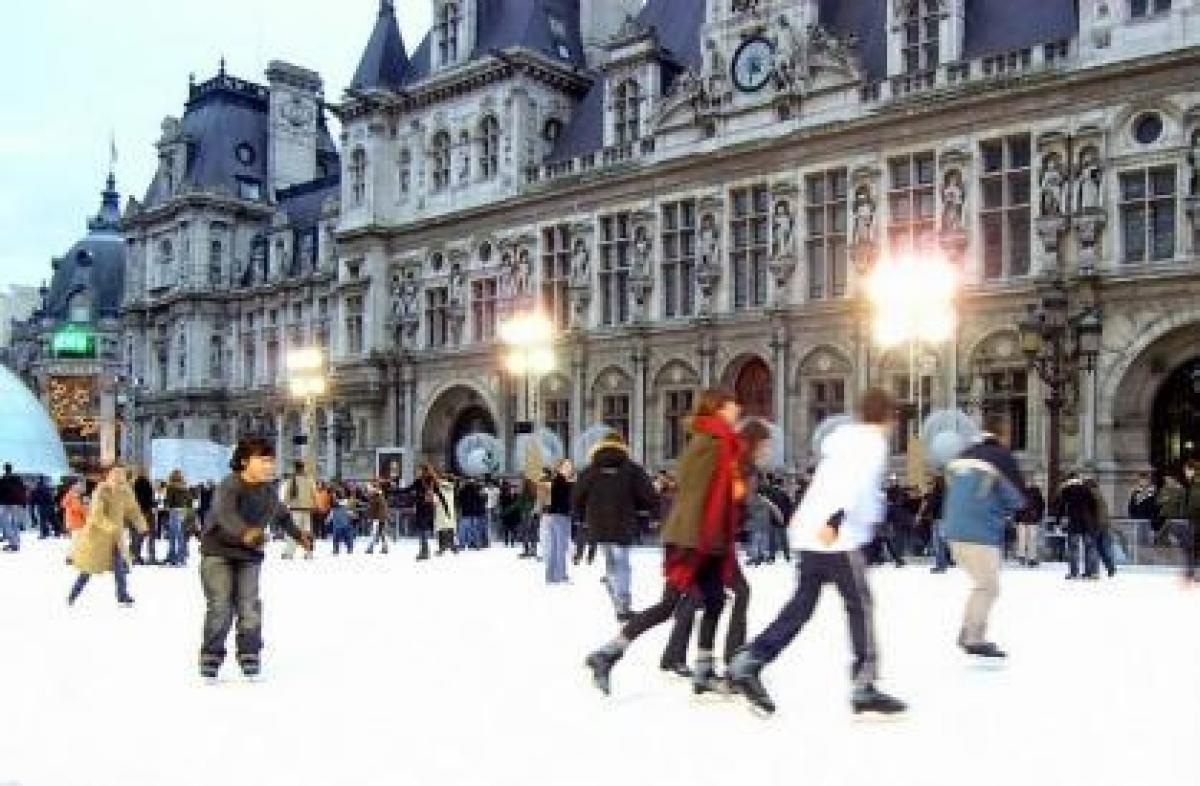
(1059, 346)
(306, 382)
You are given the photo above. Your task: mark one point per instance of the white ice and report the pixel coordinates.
(469, 670)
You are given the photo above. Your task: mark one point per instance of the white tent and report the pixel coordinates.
(28, 438)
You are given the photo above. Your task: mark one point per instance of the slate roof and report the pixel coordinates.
(384, 62)
(302, 203)
(97, 263)
(994, 26)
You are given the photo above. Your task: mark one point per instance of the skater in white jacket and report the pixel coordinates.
(835, 520)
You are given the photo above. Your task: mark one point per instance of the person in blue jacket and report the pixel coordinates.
(341, 526)
(984, 488)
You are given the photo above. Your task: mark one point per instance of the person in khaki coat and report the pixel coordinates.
(102, 545)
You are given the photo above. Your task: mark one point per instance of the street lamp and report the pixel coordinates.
(528, 338)
(1059, 346)
(912, 300)
(306, 381)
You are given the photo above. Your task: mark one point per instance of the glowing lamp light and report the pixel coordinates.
(305, 360)
(913, 298)
(525, 329)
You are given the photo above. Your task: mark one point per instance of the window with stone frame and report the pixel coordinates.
(826, 398)
(828, 208)
(437, 317)
(216, 259)
(162, 362)
(321, 327)
(272, 362)
(306, 245)
(441, 154)
(483, 309)
(354, 324)
(558, 418)
(181, 355)
(216, 357)
(679, 259)
(358, 176)
(1140, 9)
(1148, 206)
(677, 408)
(616, 249)
(556, 274)
(907, 416)
(404, 174)
(248, 359)
(614, 413)
(1006, 399)
(165, 268)
(447, 31)
(627, 112)
(749, 226)
(912, 203)
(1005, 185)
(920, 35)
(489, 147)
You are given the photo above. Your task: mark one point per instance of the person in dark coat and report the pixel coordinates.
(13, 499)
(143, 490)
(41, 501)
(607, 499)
(423, 492)
(1078, 505)
(1029, 524)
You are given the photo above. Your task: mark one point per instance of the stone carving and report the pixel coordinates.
(863, 233)
(522, 278)
(458, 287)
(1090, 181)
(1052, 186)
(792, 70)
(710, 251)
(508, 272)
(952, 202)
(782, 231)
(581, 265)
(642, 248)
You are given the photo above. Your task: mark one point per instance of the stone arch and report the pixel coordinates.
(824, 385)
(674, 389)
(824, 358)
(612, 382)
(751, 378)
(556, 385)
(452, 411)
(676, 372)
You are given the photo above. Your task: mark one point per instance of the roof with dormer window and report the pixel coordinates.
(96, 263)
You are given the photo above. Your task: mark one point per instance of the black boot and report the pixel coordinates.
(678, 669)
(705, 680)
(868, 700)
(744, 678)
(601, 663)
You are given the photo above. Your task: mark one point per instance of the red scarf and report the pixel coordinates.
(718, 528)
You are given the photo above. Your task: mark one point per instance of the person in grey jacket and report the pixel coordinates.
(984, 488)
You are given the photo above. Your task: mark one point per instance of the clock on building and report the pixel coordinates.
(753, 64)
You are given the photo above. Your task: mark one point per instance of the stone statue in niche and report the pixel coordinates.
(458, 286)
(581, 266)
(1052, 186)
(1090, 181)
(641, 248)
(952, 202)
(507, 275)
(782, 228)
(1193, 159)
(524, 273)
(864, 217)
(710, 252)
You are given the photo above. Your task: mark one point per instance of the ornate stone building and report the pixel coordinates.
(694, 189)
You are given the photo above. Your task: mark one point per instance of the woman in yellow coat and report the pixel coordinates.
(102, 545)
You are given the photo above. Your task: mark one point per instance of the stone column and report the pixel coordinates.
(780, 371)
(637, 437)
(707, 351)
(578, 389)
(408, 382)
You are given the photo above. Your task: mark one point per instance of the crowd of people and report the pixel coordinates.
(842, 517)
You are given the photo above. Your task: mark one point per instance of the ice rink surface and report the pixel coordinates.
(468, 670)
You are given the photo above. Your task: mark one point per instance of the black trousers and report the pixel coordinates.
(846, 571)
(685, 615)
(529, 533)
(709, 594)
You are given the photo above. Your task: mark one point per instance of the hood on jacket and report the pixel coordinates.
(609, 454)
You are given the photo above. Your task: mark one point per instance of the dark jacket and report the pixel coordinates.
(1143, 503)
(424, 497)
(471, 502)
(1191, 511)
(696, 468)
(1035, 507)
(238, 506)
(177, 498)
(1075, 501)
(609, 495)
(779, 498)
(377, 509)
(144, 491)
(12, 491)
(560, 496)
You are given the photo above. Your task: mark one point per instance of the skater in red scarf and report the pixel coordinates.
(699, 556)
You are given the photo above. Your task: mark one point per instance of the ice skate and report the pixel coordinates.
(869, 702)
(601, 663)
(744, 677)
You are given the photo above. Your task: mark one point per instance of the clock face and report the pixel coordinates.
(753, 64)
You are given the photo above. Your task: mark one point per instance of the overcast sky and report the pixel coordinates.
(79, 71)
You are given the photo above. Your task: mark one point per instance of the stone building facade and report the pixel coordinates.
(694, 190)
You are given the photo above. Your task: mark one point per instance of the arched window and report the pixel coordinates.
(405, 173)
(358, 176)
(489, 147)
(447, 33)
(441, 160)
(627, 111)
(79, 308)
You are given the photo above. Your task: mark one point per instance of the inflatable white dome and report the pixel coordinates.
(28, 439)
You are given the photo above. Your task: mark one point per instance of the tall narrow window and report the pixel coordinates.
(216, 357)
(827, 211)
(1005, 398)
(748, 259)
(437, 317)
(483, 309)
(920, 30)
(354, 325)
(558, 418)
(489, 147)
(441, 155)
(272, 360)
(616, 243)
(826, 398)
(627, 111)
(1004, 187)
(677, 408)
(679, 259)
(615, 413)
(911, 203)
(1139, 9)
(1148, 205)
(906, 402)
(556, 273)
(166, 264)
(216, 262)
(448, 33)
(405, 173)
(358, 176)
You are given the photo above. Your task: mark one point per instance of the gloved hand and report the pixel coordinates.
(254, 537)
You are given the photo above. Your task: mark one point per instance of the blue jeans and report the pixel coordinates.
(177, 550)
(618, 576)
(760, 544)
(470, 532)
(343, 537)
(230, 590)
(937, 544)
(10, 525)
(558, 543)
(120, 571)
(1081, 553)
